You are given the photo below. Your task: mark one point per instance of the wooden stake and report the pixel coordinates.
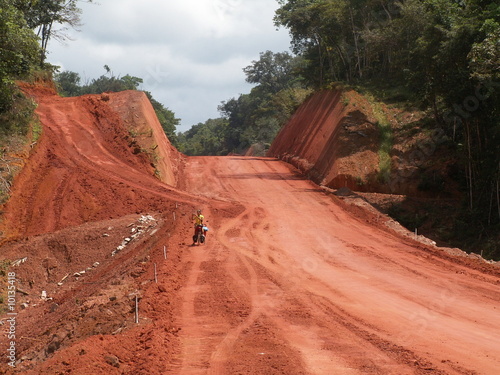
(165, 252)
(136, 310)
(156, 275)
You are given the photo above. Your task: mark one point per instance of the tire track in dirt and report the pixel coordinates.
(316, 356)
(250, 283)
(340, 295)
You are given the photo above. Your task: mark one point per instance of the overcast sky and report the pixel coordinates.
(190, 53)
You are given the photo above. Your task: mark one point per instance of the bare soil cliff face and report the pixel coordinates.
(334, 144)
(140, 120)
(334, 138)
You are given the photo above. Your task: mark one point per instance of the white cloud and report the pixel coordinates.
(190, 53)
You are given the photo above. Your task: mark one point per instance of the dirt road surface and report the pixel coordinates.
(296, 285)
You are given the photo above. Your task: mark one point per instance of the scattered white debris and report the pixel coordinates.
(19, 261)
(44, 295)
(147, 222)
(105, 235)
(146, 219)
(96, 264)
(62, 280)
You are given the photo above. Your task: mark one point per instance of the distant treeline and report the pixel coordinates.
(254, 118)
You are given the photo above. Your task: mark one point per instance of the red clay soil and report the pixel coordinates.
(334, 139)
(85, 167)
(332, 142)
(291, 280)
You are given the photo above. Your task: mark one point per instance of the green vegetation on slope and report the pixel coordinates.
(19, 59)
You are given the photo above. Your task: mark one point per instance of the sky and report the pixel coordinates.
(190, 53)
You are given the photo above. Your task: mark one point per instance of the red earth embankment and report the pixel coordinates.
(140, 120)
(87, 218)
(335, 138)
(88, 165)
(332, 142)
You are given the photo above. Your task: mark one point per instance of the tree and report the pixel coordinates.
(167, 119)
(18, 51)
(273, 71)
(44, 15)
(204, 138)
(68, 83)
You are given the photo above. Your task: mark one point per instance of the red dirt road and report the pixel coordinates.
(296, 285)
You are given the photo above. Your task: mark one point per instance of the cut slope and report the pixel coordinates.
(140, 119)
(336, 139)
(333, 142)
(87, 167)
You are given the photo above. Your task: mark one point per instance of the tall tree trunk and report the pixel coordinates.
(358, 54)
(469, 164)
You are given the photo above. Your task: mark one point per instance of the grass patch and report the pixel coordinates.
(18, 128)
(4, 266)
(385, 129)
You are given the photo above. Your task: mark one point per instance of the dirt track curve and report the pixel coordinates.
(296, 285)
(289, 281)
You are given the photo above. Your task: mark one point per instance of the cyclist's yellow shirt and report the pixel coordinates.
(199, 219)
